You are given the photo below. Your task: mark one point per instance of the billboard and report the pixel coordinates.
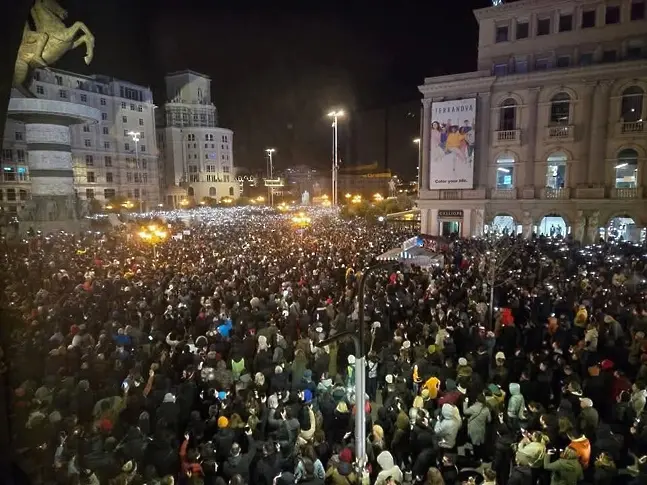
(451, 152)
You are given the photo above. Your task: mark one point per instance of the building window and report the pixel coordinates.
(543, 26)
(612, 15)
(634, 50)
(125, 132)
(502, 33)
(59, 80)
(566, 22)
(520, 65)
(124, 119)
(499, 70)
(123, 105)
(508, 115)
(142, 148)
(86, 128)
(505, 172)
(638, 10)
(62, 93)
(212, 192)
(105, 130)
(18, 136)
(586, 59)
(87, 142)
(522, 30)
(588, 19)
(11, 194)
(139, 108)
(23, 194)
(560, 109)
(144, 164)
(40, 89)
(91, 178)
(7, 154)
(89, 160)
(107, 161)
(104, 116)
(141, 121)
(109, 194)
(106, 145)
(631, 107)
(626, 169)
(190, 137)
(609, 56)
(563, 61)
(89, 194)
(556, 170)
(129, 177)
(132, 107)
(84, 98)
(103, 101)
(231, 190)
(20, 156)
(127, 147)
(542, 64)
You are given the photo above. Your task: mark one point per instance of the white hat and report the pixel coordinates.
(499, 356)
(462, 361)
(389, 378)
(406, 344)
(351, 359)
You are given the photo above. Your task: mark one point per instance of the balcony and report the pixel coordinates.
(589, 193)
(631, 128)
(555, 194)
(506, 137)
(503, 194)
(627, 193)
(458, 194)
(560, 133)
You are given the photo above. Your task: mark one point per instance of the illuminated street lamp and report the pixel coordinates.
(335, 115)
(153, 235)
(348, 196)
(378, 197)
(184, 202)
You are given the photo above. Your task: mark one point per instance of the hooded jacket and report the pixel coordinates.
(478, 417)
(447, 426)
(389, 469)
(517, 403)
(564, 471)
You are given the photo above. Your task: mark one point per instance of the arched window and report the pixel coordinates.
(626, 170)
(190, 192)
(231, 191)
(505, 171)
(556, 170)
(508, 115)
(631, 108)
(212, 191)
(560, 109)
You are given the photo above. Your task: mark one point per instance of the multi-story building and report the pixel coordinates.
(107, 162)
(547, 134)
(196, 153)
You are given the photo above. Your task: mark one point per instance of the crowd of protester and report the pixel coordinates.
(198, 361)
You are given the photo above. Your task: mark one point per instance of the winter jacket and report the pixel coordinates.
(239, 464)
(520, 475)
(388, 469)
(516, 404)
(478, 417)
(531, 453)
(447, 426)
(563, 472)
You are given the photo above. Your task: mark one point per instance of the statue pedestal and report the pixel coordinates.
(53, 205)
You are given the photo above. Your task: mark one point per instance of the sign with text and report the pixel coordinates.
(452, 137)
(456, 214)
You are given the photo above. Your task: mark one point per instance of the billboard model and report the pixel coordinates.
(452, 136)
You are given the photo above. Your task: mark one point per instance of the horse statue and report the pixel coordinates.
(50, 40)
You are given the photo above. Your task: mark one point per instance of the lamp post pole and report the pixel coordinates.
(335, 115)
(135, 135)
(418, 142)
(269, 152)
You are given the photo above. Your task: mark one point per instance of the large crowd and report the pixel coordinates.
(198, 360)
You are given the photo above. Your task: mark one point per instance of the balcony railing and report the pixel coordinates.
(631, 127)
(559, 193)
(458, 194)
(627, 193)
(450, 194)
(589, 193)
(560, 132)
(506, 194)
(506, 137)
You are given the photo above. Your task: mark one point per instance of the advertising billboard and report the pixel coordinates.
(452, 137)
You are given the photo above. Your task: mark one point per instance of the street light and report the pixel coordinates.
(417, 142)
(335, 115)
(269, 152)
(153, 235)
(135, 135)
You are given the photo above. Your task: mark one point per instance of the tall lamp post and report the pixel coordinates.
(335, 115)
(135, 135)
(417, 142)
(269, 152)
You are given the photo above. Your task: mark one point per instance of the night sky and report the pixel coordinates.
(276, 70)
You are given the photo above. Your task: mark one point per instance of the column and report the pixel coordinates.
(483, 116)
(531, 136)
(580, 171)
(424, 147)
(596, 173)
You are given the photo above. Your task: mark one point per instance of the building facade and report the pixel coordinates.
(107, 163)
(196, 153)
(547, 134)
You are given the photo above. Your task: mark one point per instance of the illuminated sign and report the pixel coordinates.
(273, 183)
(450, 213)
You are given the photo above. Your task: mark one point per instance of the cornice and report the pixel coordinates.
(522, 7)
(471, 85)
